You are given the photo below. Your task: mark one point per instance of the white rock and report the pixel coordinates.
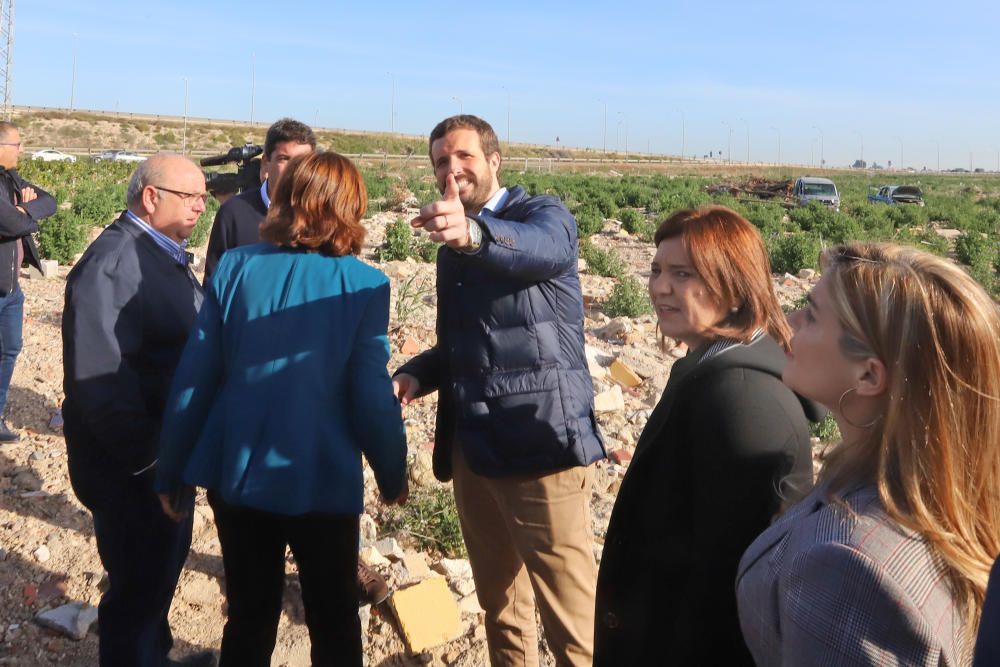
(41, 554)
(73, 619)
(614, 329)
(453, 568)
(369, 531)
(389, 548)
(610, 401)
(372, 557)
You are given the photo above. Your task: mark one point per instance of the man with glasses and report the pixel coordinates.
(130, 303)
(238, 220)
(22, 205)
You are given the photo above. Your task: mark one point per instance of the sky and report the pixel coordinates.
(913, 83)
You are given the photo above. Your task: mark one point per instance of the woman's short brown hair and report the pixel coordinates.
(727, 252)
(318, 205)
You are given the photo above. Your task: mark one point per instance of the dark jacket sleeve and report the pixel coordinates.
(747, 433)
(192, 394)
(218, 240)
(103, 335)
(14, 223)
(539, 246)
(379, 428)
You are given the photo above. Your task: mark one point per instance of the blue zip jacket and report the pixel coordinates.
(283, 385)
(514, 388)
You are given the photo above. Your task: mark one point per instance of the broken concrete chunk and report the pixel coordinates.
(389, 548)
(73, 619)
(610, 400)
(372, 557)
(427, 614)
(624, 375)
(454, 568)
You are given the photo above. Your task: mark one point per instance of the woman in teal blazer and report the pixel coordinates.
(281, 388)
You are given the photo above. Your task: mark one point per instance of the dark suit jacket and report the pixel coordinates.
(988, 643)
(236, 224)
(701, 486)
(17, 227)
(129, 308)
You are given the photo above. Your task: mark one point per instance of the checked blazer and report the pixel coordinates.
(841, 583)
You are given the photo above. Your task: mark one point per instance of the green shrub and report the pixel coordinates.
(826, 430)
(628, 299)
(972, 247)
(201, 231)
(99, 206)
(62, 236)
(588, 221)
(634, 222)
(605, 263)
(793, 252)
(430, 518)
(401, 243)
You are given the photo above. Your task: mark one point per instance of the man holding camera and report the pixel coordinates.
(237, 222)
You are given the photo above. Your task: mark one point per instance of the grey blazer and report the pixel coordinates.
(826, 586)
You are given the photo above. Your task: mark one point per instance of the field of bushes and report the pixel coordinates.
(968, 206)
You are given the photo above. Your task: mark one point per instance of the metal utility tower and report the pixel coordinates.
(7, 54)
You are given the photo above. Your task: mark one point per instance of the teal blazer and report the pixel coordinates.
(283, 385)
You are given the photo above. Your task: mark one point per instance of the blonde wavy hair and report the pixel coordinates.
(934, 455)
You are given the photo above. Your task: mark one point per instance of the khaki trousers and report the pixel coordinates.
(530, 539)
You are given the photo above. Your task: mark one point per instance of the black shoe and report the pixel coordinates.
(6, 435)
(372, 588)
(199, 659)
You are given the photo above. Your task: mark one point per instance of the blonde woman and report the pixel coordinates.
(886, 561)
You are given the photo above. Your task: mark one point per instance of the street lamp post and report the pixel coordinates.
(605, 128)
(508, 115)
(683, 133)
(253, 84)
(392, 103)
(729, 142)
(862, 138)
(822, 142)
(778, 132)
(184, 135)
(72, 82)
(748, 139)
(900, 140)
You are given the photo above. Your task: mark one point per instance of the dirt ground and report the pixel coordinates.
(47, 549)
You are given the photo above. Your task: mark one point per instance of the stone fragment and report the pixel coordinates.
(416, 565)
(464, 587)
(422, 469)
(470, 605)
(427, 614)
(50, 268)
(611, 400)
(623, 375)
(41, 554)
(581, 265)
(620, 456)
(372, 557)
(28, 481)
(368, 529)
(389, 548)
(807, 274)
(614, 329)
(73, 619)
(56, 421)
(410, 346)
(52, 588)
(453, 568)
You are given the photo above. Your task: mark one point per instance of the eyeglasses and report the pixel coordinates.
(10, 143)
(187, 198)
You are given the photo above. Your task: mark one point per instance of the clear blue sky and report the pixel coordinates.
(826, 76)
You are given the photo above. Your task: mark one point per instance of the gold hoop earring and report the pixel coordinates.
(840, 409)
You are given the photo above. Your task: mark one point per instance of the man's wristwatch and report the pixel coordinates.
(475, 236)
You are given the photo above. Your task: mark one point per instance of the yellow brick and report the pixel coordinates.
(624, 375)
(427, 614)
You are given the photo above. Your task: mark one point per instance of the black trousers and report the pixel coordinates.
(325, 547)
(143, 552)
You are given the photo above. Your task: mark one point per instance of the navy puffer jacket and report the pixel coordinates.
(509, 364)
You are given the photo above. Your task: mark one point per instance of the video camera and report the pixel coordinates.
(247, 173)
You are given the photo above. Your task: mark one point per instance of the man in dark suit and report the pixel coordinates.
(239, 218)
(130, 303)
(22, 205)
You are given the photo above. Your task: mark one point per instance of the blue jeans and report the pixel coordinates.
(11, 321)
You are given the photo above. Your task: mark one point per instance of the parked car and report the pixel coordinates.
(118, 156)
(808, 189)
(897, 194)
(52, 155)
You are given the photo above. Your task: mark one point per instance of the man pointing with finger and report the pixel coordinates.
(515, 424)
